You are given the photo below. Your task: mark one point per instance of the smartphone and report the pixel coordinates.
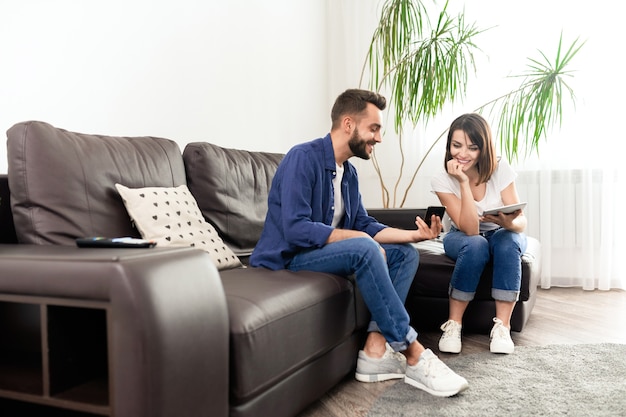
(436, 210)
(117, 242)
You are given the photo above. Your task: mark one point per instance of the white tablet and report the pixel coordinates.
(505, 209)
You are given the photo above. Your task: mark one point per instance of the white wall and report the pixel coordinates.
(246, 74)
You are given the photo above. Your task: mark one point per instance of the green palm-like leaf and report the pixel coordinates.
(525, 115)
(422, 73)
(400, 22)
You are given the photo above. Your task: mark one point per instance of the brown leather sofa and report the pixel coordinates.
(162, 332)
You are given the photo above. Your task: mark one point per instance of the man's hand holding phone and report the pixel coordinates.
(438, 211)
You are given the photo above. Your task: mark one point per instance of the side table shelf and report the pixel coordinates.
(53, 357)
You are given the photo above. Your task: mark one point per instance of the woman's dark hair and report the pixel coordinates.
(353, 102)
(479, 133)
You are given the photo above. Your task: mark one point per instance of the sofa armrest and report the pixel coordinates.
(166, 320)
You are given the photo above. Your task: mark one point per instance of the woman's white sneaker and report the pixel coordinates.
(450, 341)
(501, 341)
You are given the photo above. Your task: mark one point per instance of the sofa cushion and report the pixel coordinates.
(231, 188)
(280, 321)
(171, 217)
(62, 183)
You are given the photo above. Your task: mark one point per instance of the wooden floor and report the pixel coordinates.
(560, 316)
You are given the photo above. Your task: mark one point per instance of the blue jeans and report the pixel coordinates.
(384, 283)
(472, 253)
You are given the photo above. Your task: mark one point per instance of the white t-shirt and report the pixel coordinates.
(339, 208)
(501, 178)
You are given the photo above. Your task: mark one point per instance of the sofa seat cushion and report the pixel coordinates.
(63, 183)
(435, 270)
(280, 321)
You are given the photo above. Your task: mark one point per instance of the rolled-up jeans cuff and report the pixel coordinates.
(504, 295)
(461, 295)
(411, 337)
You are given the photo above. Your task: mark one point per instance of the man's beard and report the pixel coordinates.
(358, 145)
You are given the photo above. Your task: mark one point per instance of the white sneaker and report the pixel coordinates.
(391, 366)
(450, 341)
(434, 376)
(501, 341)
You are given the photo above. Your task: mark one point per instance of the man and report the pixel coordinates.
(316, 221)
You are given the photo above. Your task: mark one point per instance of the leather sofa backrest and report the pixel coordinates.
(231, 188)
(63, 183)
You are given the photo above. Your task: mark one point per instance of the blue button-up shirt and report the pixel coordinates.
(301, 205)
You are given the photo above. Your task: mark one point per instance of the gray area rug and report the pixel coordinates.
(556, 380)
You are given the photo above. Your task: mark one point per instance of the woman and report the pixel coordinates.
(476, 180)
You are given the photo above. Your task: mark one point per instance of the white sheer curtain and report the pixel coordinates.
(575, 215)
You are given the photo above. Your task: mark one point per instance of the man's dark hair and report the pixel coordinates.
(353, 102)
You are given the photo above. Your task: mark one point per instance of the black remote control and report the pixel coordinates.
(115, 242)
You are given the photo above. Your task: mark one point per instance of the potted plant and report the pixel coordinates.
(424, 66)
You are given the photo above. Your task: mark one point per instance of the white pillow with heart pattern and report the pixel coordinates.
(171, 217)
